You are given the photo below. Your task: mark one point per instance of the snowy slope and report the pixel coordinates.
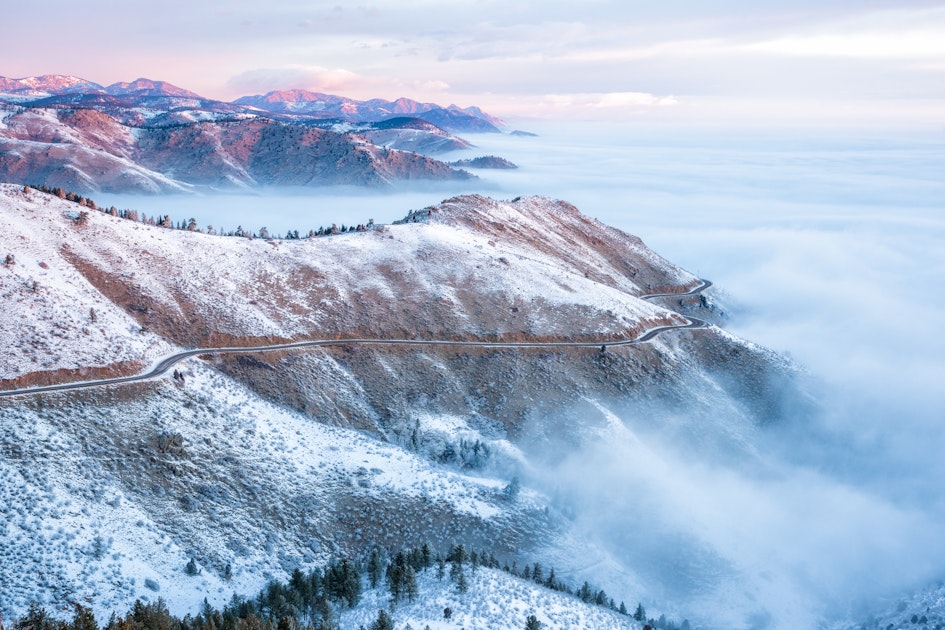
(278, 460)
(52, 317)
(495, 601)
(248, 484)
(429, 280)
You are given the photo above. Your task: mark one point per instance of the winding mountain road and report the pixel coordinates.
(165, 364)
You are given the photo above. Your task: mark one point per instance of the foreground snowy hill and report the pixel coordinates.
(494, 601)
(254, 465)
(114, 493)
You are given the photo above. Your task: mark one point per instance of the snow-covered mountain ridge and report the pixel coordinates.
(152, 136)
(88, 150)
(58, 90)
(279, 460)
(429, 280)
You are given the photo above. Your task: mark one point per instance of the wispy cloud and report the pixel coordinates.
(337, 81)
(884, 35)
(577, 102)
(295, 77)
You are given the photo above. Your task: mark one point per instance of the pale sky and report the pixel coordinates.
(800, 59)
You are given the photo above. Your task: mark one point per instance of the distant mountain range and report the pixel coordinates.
(152, 136)
(53, 90)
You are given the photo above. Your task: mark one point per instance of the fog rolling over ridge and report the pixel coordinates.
(828, 246)
(825, 246)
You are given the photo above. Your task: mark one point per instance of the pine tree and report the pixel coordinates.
(461, 585)
(36, 617)
(510, 492)
(410, 583)
(458, 554)
(532, 623)
(537, 573)
(456, 569)
(585, 593)
(383, 621)
(425, 555)
(640, 614)
(375, 568)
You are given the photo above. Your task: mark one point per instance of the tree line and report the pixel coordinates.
(190, 225)
(311, 600)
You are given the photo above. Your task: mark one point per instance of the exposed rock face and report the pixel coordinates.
(280, 459)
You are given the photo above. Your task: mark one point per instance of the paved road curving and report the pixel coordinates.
(168, 362)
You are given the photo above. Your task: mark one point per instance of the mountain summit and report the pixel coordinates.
(45, 85)
(147, 87)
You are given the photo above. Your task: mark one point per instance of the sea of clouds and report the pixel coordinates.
(826, 245)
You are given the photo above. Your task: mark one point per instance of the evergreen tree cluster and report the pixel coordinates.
(191, 224)
(470, 455)
(309, 601)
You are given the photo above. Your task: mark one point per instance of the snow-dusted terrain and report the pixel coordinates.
(279, 460)
(87, 150)
(195, 288)
(120, 501)
(153, 137)
(495, 601)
